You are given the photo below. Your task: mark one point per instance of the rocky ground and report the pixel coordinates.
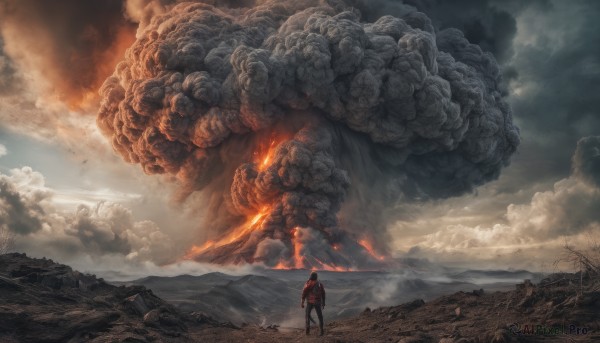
(41, 301)
(268, 297)
(549, 312)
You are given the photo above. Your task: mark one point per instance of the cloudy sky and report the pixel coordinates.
(67, 195)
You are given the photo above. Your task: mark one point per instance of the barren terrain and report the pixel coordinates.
(42, 301)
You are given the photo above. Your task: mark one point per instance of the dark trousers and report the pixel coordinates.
(317, 308)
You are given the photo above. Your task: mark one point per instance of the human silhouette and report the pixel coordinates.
(314, 294)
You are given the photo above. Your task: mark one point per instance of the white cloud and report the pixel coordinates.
(527, 235)
(3, 150)
(106, 228)
(71, 198)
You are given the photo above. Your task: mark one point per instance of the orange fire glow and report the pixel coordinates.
(369, 248)
(332, 267)
(280, 266)
(300, 261)
(252, 224)
(83, 94)
(265, 153)
(268, 156)
(298, 258)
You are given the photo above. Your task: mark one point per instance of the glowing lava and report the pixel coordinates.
(232, 247)
(369, 249)
(252, 224)
(265, 161)
(300, 261)
(266, 153)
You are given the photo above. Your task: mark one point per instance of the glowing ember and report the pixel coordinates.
(369, 248)
(267, 158)
(265, 155)
(280, 266)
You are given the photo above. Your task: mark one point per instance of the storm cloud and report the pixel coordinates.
(586, 160)
(568, 213)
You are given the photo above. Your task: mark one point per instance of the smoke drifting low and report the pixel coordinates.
(283, 112)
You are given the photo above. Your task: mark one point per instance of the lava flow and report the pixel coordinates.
(369, 248)
(264, 238)
(287, 115)
(263, 161)
(239, 233)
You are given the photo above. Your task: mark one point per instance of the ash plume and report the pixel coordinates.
(302, 123)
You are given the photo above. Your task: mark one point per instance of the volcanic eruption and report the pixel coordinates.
(301, 123)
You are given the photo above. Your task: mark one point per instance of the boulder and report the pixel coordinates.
(152, 318)
(137, 304)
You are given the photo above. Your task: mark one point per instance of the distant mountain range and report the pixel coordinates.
(273, 297)
(43, 301)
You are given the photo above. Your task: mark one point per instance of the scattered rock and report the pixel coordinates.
(8, 284)
(42, 301)
(410, 306)
(478, 292)
(152, 318)
(500, 336)
(137, 304)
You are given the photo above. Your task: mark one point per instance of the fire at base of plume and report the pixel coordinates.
(364, 113)
(310, 250)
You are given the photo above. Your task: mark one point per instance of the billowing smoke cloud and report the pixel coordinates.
(282, 112)
(486, 23)
(69, 45)
(26, 209)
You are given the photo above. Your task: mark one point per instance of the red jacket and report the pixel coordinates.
(314, 291)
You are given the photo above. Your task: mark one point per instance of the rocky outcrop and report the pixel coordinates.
(42, 301)
(562, 308)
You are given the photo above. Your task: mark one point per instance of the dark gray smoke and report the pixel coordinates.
(359, 115)
(586, 160)
(9, 78)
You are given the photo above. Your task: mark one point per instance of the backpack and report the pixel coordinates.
(316, 290)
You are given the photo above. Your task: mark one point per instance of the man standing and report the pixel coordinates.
(315, 292)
